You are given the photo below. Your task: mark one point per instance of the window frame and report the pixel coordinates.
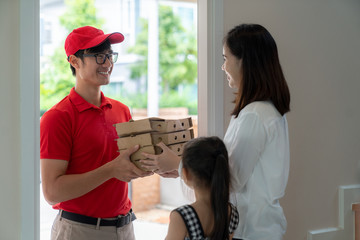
(29, 65)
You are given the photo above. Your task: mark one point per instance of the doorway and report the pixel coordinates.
(210, 15)
(176, 92)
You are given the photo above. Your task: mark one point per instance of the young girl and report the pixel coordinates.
(205, 169)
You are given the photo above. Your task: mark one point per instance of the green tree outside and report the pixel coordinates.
(177, 51)
(177, 61)
(177, 58)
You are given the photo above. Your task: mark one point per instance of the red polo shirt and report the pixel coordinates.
(83, 134)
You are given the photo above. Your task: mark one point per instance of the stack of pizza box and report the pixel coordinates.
(147, 133)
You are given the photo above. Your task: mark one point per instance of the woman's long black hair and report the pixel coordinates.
(207, 159)
(263, 78)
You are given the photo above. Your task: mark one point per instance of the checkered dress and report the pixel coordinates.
(193, 224)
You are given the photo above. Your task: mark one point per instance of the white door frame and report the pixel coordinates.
(29, 119)
(210, 76)
(210, 97)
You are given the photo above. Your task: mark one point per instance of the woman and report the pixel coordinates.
(257, 137)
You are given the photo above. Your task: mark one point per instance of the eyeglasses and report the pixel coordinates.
(101, 57)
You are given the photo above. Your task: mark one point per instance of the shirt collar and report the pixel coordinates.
(81, 104)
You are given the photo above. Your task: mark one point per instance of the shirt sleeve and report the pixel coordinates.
(55, 135)
(246, 144)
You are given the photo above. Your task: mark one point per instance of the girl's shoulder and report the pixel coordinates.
(177, 228)
(186, 210)
(192, 221)
(188, 214)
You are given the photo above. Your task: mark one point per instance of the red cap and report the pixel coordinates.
(87, 37)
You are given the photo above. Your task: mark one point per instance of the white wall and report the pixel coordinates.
(9, 121)
(319, 46)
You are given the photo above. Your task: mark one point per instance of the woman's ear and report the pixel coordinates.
(74, 61)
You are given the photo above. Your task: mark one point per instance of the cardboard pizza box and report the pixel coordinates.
(148, 139)
(173, 137)
(177, 148)
(133, 127)
(137, 156)
(143, 140)
(148, 125)
(163, 126)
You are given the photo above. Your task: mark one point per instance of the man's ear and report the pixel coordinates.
(74, 61)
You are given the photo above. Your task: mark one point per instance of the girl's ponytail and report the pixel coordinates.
(220, 196)
(207, 159)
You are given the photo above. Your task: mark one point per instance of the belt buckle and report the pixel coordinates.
(118, 222)
(121, 220)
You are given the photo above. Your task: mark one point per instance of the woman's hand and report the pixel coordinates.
(171, 174)
(165, 162)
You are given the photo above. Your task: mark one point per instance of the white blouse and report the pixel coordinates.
(258, 145)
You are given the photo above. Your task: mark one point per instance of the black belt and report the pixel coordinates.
(119, 221)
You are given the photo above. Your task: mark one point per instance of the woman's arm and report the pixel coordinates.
(245, 142)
